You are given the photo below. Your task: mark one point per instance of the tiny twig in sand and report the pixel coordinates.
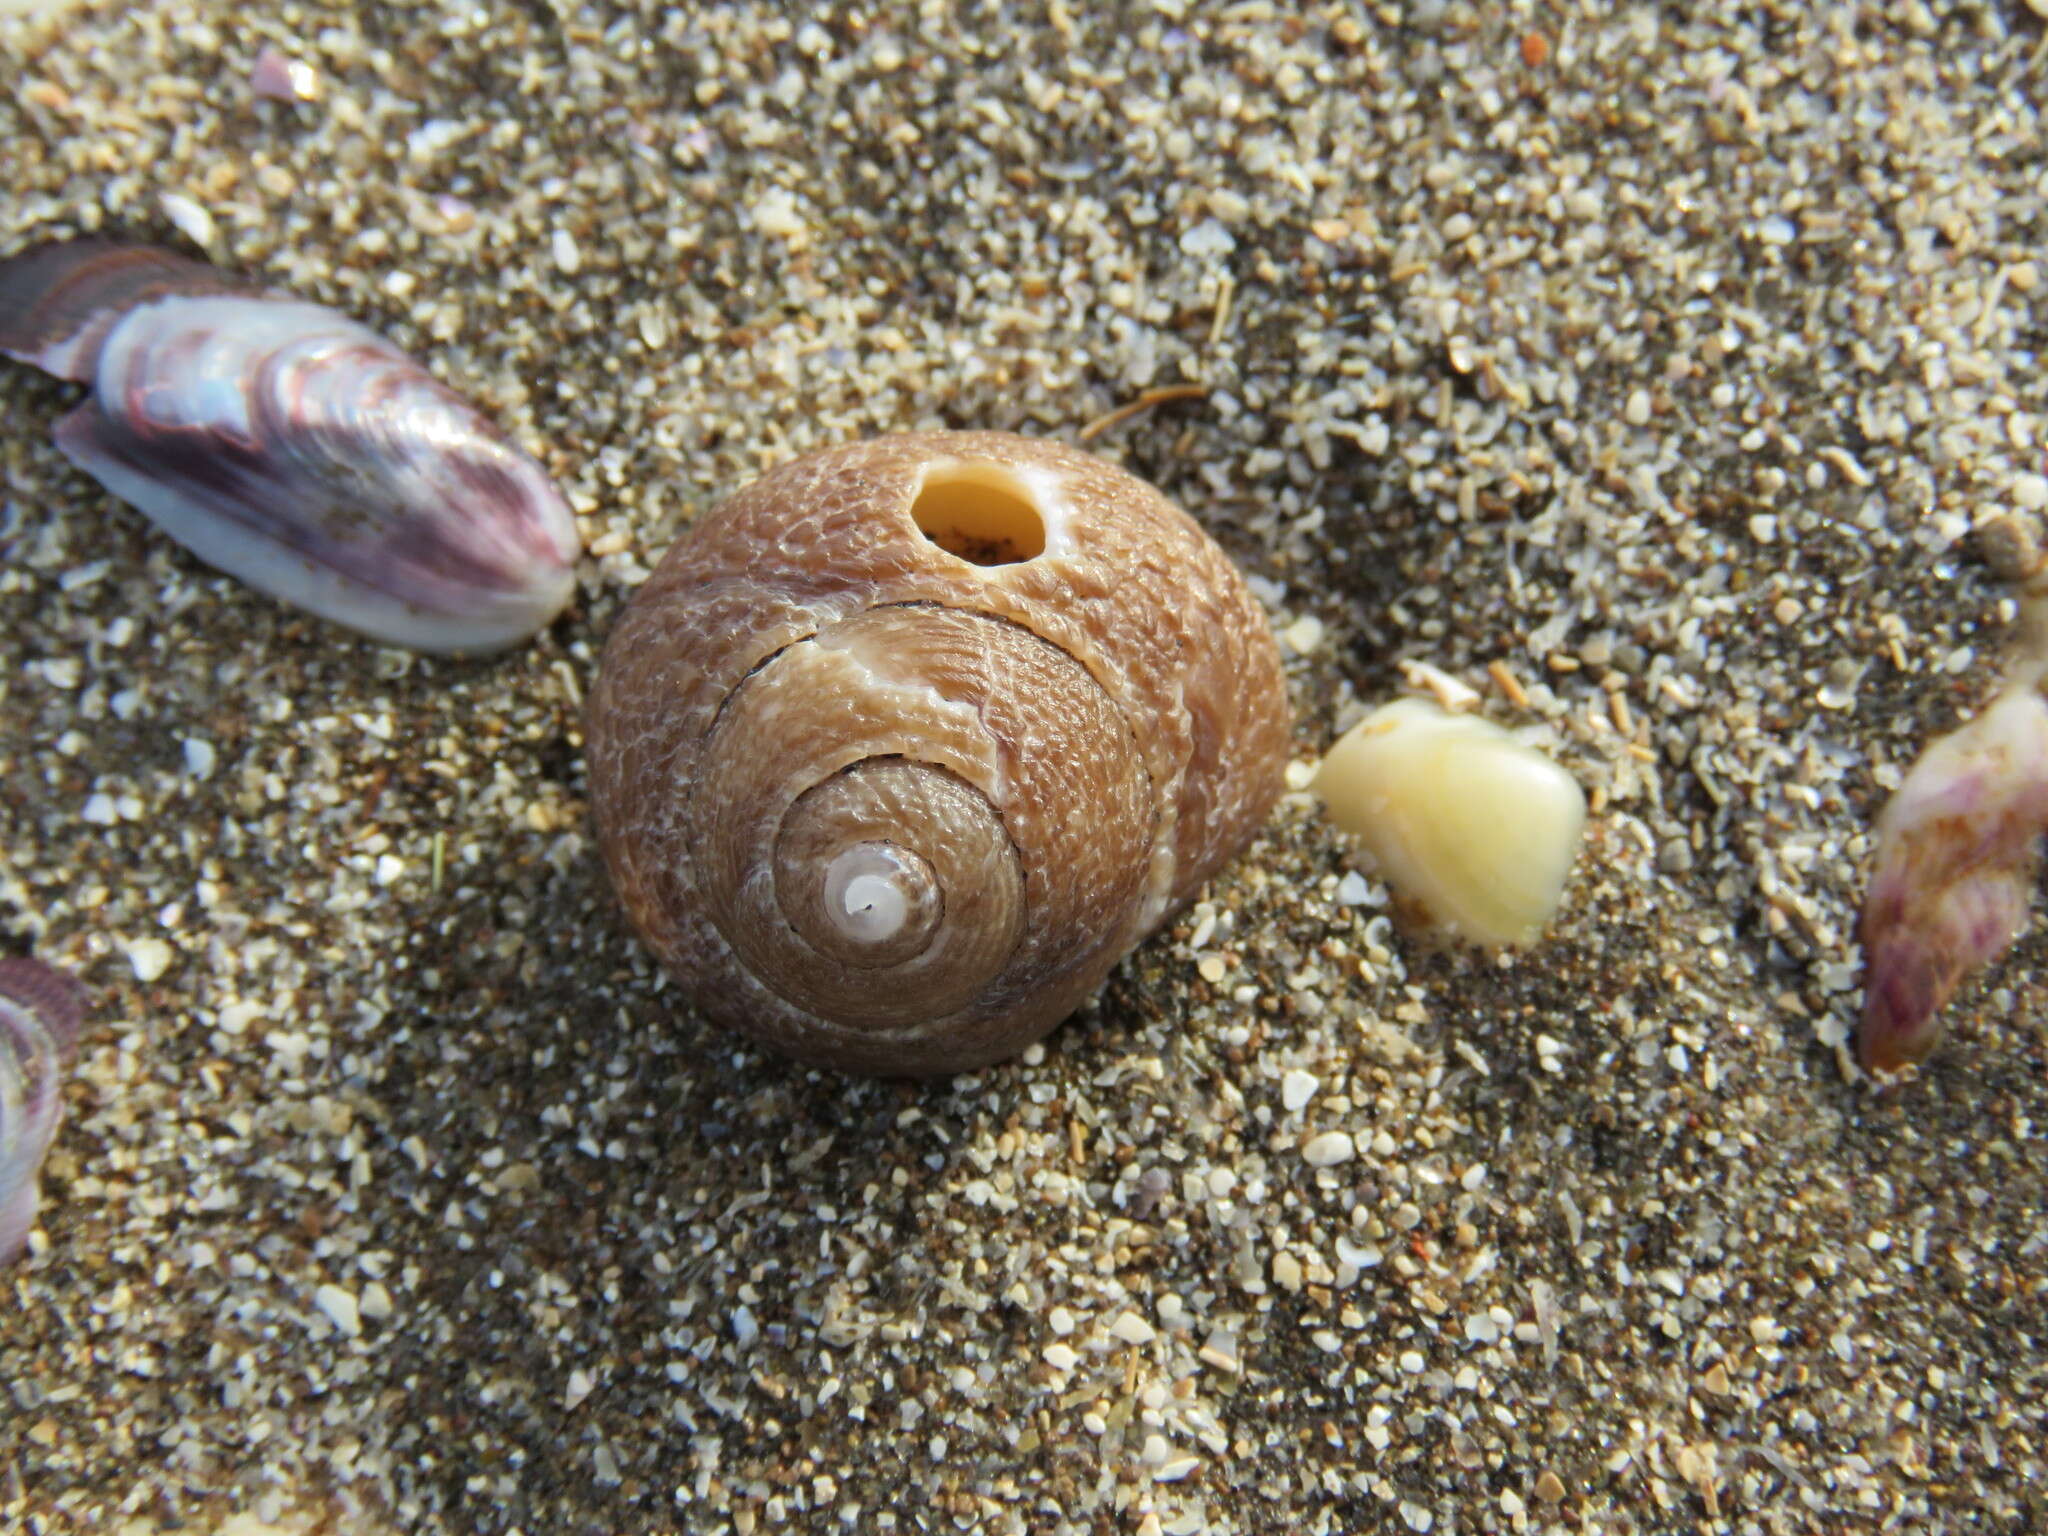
(1144, 402)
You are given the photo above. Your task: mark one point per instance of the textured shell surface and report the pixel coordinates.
(40, 1012)
(907, 743)
(294, 448)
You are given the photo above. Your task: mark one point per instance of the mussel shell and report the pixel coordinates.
(310, 457)
(293, 448)
(58, 300)
(41, 1010)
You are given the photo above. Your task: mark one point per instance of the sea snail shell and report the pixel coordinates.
(909, 742)
(40, 1013)
(289, 446)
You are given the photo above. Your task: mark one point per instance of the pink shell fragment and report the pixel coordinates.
(278, 77)
(1958, 847)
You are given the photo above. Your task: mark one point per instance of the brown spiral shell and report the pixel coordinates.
(910, 741)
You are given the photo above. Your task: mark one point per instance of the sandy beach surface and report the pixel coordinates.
(1643, 368)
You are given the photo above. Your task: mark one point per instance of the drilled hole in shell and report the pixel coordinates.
(981, 513)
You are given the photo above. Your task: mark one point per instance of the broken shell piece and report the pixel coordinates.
(289, 446)
(1958, 846)
(40, 1011)
(1479, 828)
(277, 77)
(1453, 694)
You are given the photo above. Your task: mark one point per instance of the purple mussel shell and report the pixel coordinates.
(40, 1012)
(289, 446)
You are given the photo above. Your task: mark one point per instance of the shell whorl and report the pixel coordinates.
(911, 740)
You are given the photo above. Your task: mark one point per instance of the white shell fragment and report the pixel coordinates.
(291, 447)
(1479, 828)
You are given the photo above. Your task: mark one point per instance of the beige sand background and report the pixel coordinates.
(1643, 367)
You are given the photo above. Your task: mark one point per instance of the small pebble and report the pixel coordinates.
(192, 220)
(1304, 635)
(340, 1308)
(1219, 1352)
(2010, 545)
(1132, 1329)
(1328, 1149)
(776, 215)
(149, 958)
(276, 77)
